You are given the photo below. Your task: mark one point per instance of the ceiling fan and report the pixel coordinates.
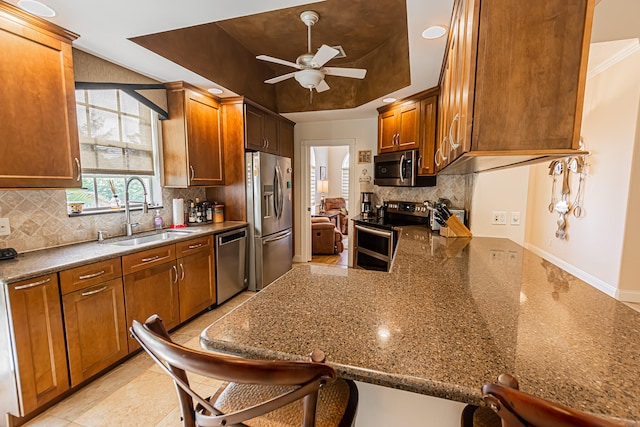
(311, 67)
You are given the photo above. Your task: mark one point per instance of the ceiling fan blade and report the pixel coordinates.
(277, 61)
(354, 73)
(324, 54)
(280, 78)
(322, 86)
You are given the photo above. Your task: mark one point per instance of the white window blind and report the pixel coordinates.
(115, 133)
(344, 184)
(312, 177)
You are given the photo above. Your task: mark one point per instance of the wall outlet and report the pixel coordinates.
(515, 218)
(498, 218)
(5, 229)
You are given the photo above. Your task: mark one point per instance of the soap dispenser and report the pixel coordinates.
(157, 221)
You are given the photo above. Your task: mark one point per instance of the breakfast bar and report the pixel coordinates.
(450, 316)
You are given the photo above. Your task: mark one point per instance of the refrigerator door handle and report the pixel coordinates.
(279, 193)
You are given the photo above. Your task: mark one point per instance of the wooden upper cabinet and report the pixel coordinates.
(286, 132)
(514, 86)
(193, 150)
(428, 123)
(38, 116)
(398, 127)
(40, 356)
(261, 130)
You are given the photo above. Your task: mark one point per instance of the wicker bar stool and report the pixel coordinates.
(257, 393)
(509, 407)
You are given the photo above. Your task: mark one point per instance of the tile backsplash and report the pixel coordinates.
(453, 187)
(39, 219)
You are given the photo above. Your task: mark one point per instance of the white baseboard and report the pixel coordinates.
(298, 258)
(599, 284)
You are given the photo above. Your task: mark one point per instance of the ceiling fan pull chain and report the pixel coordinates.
(310, 95)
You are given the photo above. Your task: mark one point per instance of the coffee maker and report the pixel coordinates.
(366, 207)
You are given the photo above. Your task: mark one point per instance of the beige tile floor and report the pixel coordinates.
(136, 392)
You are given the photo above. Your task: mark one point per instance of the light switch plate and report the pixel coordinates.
(5, 229)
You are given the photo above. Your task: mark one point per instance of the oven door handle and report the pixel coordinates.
(380, 233)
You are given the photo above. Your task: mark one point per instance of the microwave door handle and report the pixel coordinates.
(401, 168)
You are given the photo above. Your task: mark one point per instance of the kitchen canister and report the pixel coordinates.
(218, 213)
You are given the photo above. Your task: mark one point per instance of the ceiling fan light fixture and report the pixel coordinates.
(309, 78)
(434, 32)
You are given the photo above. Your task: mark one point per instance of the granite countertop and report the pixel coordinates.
(452, 315)
(32, 264)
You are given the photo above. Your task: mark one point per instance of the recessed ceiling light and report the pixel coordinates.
(36, 8)
(434, 32)
(388, 100)
(215, 91)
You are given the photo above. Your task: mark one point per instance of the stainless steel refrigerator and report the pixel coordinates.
(269, 181)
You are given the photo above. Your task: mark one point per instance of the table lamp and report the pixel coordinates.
(323, 187)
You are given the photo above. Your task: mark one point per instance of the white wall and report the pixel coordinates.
(594, 249)
(504, 190)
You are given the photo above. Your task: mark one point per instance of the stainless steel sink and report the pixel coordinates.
(157, 237)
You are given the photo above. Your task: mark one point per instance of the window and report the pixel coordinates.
(118, 138)
(344, 184)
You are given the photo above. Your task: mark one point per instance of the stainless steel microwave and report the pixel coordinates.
(399, 169)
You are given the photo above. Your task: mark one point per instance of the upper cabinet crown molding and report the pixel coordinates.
(38, 121)
(514, 87)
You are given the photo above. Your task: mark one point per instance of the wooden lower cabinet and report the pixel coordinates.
(96, 328)
(39, 346)
(153, 290)
(196, 283)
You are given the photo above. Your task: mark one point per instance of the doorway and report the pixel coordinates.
(328, 181)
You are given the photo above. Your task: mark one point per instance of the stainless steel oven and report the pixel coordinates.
(374, 247)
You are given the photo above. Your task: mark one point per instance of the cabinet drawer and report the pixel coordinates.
(194, 245)
(145, 259)
(88, 275)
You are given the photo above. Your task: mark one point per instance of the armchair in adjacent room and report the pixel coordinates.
(338, 205)
(326, 239)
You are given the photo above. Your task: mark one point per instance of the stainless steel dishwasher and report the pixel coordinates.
(231, 264)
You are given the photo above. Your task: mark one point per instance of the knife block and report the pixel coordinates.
(455, 228)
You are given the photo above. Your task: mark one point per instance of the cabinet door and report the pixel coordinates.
(286, 138)
(271, 134)
(408, 126)
(40, 354)
(96, 328)
(196, 284)
(203, 139)
(38, 123)
(254, 128)
(153, 290)
(387, 131)
(428, 119)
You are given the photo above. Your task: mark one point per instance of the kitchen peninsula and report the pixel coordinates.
(451, 315)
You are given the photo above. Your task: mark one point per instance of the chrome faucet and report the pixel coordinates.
(127, 212)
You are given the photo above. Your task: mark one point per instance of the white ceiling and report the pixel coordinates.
(105, 26)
